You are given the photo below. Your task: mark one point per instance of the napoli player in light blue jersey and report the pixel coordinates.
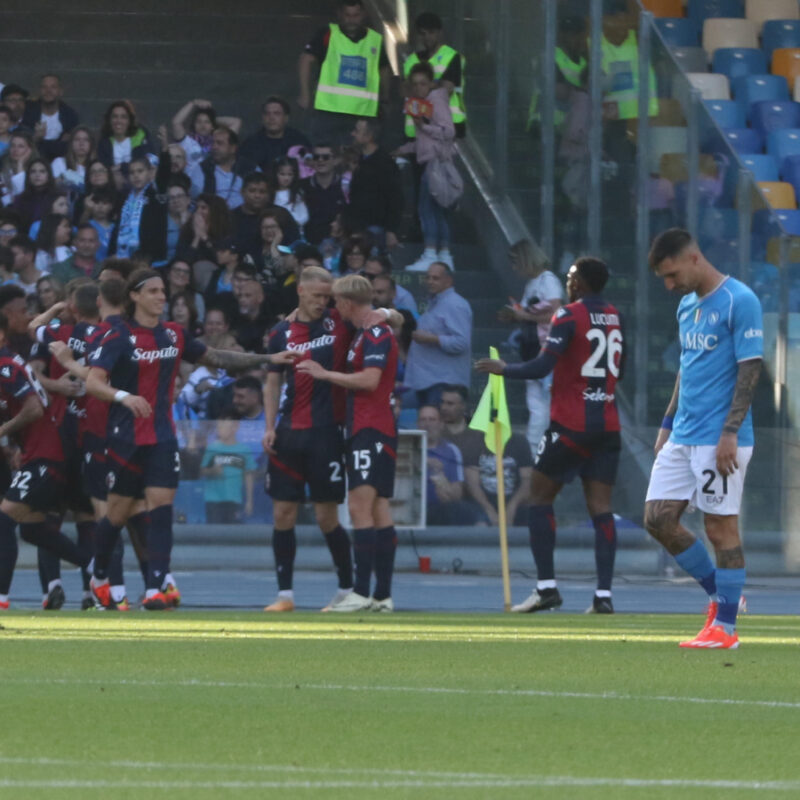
(706, 438)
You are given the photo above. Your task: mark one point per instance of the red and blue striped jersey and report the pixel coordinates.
(308, 403)
(586, 336)
(373, 347)
(40, 439)
(144, 361)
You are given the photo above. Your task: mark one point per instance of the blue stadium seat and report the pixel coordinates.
(782, 144)
(678, 32)
(701, 10)
(751, 89)
(745, 140)
(718, 223)
(789, 220)
(763, 167)
(737, 61)
(778, 33)
(726, 113)
(790, 172)
(774, 115)
(691, 59)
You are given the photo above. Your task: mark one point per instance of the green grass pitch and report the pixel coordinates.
(222, 705)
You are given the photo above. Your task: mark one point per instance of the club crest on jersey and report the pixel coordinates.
(328, 324)
(173, 337)
(713, 318)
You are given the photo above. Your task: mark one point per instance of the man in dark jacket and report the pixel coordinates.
(49, 118)
(274, 139)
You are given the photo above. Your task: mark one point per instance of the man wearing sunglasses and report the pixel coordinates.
(323, 193)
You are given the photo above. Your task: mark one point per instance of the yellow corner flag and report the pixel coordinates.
(493, 409)
(493, 419)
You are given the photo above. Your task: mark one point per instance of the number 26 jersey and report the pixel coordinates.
(586, 336)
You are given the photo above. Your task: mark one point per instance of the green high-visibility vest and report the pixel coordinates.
(621, 74)
(440, 62)
(572, 71)
(349, 78)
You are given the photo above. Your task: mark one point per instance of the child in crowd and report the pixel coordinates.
(101, 217)
(52, 242)
(229, 470)
(288, 195)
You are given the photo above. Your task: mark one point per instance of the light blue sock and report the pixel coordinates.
(697, 562)
(729, 588)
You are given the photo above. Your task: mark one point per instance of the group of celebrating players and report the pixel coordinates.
(111, 454)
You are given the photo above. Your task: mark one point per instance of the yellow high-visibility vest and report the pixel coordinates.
(349, 78)
(621, 75)
(572, 71)
(440, 61)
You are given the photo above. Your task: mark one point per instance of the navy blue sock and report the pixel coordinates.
(159, 546)
(542, 528)
(137, 530)
(697, 562)
(364, 557)
(730, 583)
(284, 548)
(385, 546)
(605, 548)
(116, 574)
(8, 551)
(42, 535)
(105, 540)
(342, 554)
(86, 546)
(49, 565)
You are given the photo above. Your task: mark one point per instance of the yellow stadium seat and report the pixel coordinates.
(664, 8)
(778, 194)
(786, 62)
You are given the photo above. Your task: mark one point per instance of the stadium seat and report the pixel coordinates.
(678, 32)
(700, 10)
(721, 223)
(790, 172)
(726, 113)
(711, 85)
(786, 62)
(750, 89)
(666, 140)
(789, 220)
(784, 143)
(763, 167)
(796, 93)
(778, 194)
(726, 32)
(759, 11)
(773, 115)
(737, 61)
(745, 140)
(664, 8)
(691, 59)
(778, 33)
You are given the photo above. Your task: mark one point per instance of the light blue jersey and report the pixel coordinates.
(717, 332)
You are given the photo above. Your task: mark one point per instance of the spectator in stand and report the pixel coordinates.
(354, 73)
(453, 408)
(193, 126)
(21, 151)
(122, 140)
(10, 226)
(445, 503)
(323, 194)
(256, 196)
(218, 174)
(5, 129)
(28, 273)
(49, 291)
(432, 144)
(178, 160)
(210, 222)
(179, 279)
(101, 208)
(448, 66)
(254, 319)
(331, 246)
(69, 170)
(50, 119)
(182, 309)
(98, 176)
(37, 196)
(354, 255)
(288, 194)
(219, 290)
(83, 263)
(58, 204)
(217, 330)
(14, 98)
(229, 470)
(480, 470)
(52, 241)
(440, 353)
(270, 257)
(274, 139)
(178, 214)
(542, 297)
(403, 299)
(376, 195)
(6, 266)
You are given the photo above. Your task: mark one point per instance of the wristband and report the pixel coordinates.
(120, 395)
(666, 423)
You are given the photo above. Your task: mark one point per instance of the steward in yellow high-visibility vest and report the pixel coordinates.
(448, 69)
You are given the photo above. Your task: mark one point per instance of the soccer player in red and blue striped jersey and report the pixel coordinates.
(585, 353)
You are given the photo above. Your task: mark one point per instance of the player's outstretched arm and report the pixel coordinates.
(97, 385)
(669, 414)
(365, 380)
(31, 410)
(63, 354)
(743, 393)
(529, 370)
(234, 361)
(45, 318)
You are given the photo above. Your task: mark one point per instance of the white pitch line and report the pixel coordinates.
(443, 690)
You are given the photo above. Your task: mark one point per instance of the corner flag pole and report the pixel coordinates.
(501, 510)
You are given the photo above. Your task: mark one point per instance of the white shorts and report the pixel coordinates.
(689, 472)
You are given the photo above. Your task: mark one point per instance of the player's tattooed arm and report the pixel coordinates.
(746, 381)
(233, 361)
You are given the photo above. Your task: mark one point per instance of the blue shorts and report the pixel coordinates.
(132, 468)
